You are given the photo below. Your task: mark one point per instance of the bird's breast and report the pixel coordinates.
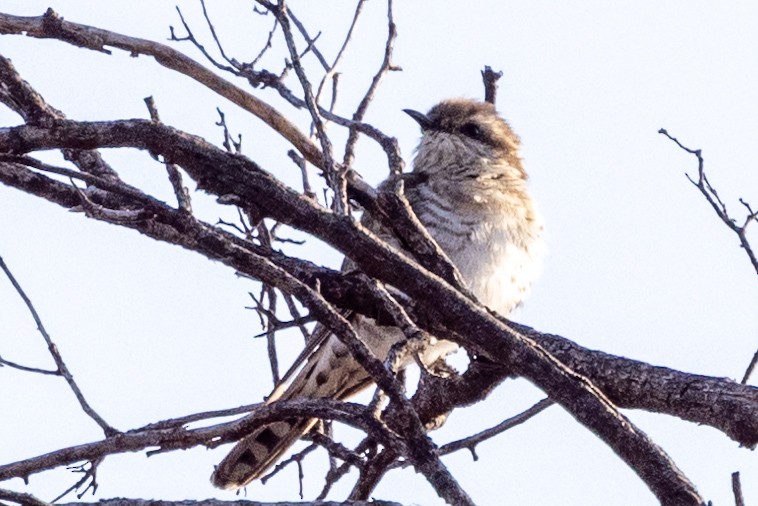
(499, 253)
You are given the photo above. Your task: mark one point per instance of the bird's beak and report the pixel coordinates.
(420, 118)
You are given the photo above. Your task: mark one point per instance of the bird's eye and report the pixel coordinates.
(473, 130)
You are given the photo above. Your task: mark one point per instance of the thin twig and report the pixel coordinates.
(191, 37)
(267, 46)
(174, 176)
(213, 33)
(490, 79)
(310, 41)
(336, 449)
(271, 334)
(213, 436)
(471, 441)
(173, 423)
(712, 196)
(337, 473)
(396, 166)
(20, 367)
(300, 320)
(372, 473)
(298, 458)
(51, 25)
(89, 475)
(21, 498)
(112, 185)
(739, 500)
(331, 69)
(335, 175)
(750, 368)
(300, 162)
(60, 364)
(229, 142)
(269, 294)
(278, 325)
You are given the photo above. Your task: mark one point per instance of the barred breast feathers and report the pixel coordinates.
(474, 201)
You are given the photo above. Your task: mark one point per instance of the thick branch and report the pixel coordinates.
(29, 500)
(718, 402)
(175, 438)
(217, 502)
(223, 174)
(52, 26)
(26, 102)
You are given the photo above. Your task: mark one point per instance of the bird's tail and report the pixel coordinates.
(252, 457)
(330, 372)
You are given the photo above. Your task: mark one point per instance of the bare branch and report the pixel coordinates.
(336, 449)
(57, 358)
(691, 397)
(456, 313)
(51, 25)
(18, 95)
(20, 367)
(180, 438)
(213, 32)
(174, 176)
(21, 498)
(191, 37)
(218, 502)
(297, 319)
(470, 442)
(739, 500)
(335, 175)
(229, 142)
(296, 458)
(310, 41)
(331, 69)
(174, 423)
(723, 404)
(750, 368)
(490, 79)
(266, 46)
(367, 446)
(373, 472)
(29, 500)
(712, 196)
(89, 478)
(396, 165)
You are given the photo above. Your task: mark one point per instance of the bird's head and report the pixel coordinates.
(466, 139)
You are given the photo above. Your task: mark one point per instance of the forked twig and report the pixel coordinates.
(60, 364)
(490, 79)
(471, 441)
(712, 196)
(396, 165)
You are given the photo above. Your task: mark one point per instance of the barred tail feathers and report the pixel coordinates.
(253, 456)
(331, 372)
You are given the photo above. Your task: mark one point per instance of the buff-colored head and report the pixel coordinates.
(467, 136)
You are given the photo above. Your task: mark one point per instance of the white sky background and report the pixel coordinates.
(639, 264)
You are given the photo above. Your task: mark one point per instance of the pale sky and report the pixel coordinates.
(638, 265)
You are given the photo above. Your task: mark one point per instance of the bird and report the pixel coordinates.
(469, 189)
